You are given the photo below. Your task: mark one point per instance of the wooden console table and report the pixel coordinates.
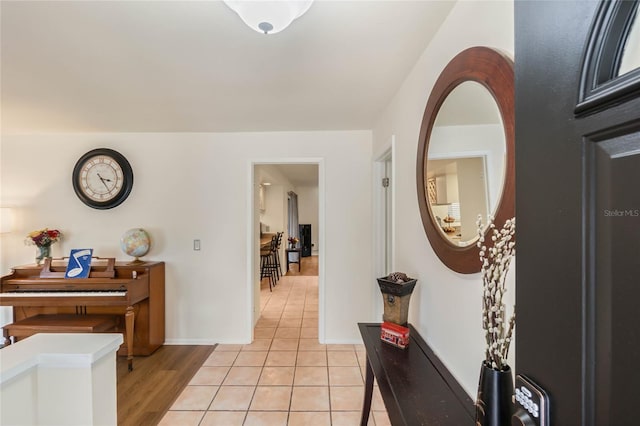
(416, 387)
(298, 261)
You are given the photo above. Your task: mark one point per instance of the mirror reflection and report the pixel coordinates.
(465, 167)
(631, 51)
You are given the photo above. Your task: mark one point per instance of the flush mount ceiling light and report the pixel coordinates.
(269, 17)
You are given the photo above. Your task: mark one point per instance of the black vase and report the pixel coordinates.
(495, 390)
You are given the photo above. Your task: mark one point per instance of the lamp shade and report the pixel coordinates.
(269, 17)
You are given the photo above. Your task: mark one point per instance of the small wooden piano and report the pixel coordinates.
(131, 294)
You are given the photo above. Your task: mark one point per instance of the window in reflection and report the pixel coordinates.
(631, 51)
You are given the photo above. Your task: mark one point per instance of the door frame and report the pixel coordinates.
(253, 238)
(387, 153)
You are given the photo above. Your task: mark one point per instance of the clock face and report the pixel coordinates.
(102, 178)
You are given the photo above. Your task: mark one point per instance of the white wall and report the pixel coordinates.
(275, 215)
(445, 307)
(189, 186)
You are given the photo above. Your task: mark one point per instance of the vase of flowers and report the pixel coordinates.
(495, 388)
(42, 239)
(292, 242)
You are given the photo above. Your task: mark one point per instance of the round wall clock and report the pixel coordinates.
(102, 178)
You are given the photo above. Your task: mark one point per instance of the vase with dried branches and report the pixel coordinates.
(494, 406)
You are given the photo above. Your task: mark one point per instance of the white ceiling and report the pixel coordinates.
(296, 174)
(194, 66)
(300, 174)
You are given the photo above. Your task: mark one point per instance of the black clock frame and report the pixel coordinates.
(127, 176)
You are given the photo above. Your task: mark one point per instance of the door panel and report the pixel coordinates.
(578, 211)
(617, 255)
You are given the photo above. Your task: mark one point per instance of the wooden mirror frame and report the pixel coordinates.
(493, 70)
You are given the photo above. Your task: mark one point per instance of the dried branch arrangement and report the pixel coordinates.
(496, 257)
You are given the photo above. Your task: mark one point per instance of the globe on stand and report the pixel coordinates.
(136, 243)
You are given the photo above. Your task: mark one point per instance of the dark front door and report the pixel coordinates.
(578, 208)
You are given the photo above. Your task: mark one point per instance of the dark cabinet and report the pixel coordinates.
(305, 240)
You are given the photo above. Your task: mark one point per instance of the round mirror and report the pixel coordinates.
(465, 164)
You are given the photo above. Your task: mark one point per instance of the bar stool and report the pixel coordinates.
(268, 267)
(277, 254)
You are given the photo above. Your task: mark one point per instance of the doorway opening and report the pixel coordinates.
(383, 214)
(288, 198)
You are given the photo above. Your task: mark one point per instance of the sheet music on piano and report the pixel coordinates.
(79, 263)
(93, 271)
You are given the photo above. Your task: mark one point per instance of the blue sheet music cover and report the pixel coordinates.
(79, 263)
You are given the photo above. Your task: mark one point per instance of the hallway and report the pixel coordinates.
(285, 377)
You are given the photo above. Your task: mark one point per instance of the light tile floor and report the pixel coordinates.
(285, 377)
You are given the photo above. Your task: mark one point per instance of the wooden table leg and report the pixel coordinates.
(368, 393)
(129, 321)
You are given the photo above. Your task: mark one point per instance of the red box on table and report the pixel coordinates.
(394, 334)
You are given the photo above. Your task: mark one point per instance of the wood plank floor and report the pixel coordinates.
(146, 393)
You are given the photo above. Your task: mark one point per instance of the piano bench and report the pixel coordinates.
(59, 323)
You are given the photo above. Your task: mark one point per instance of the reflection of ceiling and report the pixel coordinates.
(194, 66)
(300, 174)
(470, 103)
